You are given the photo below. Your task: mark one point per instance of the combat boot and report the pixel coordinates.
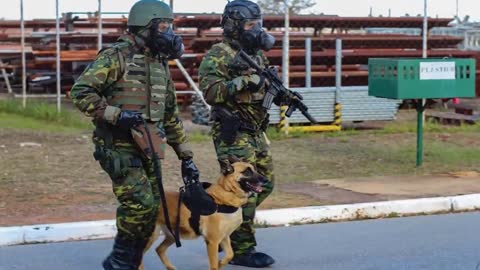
(125, 255)
(252, 258)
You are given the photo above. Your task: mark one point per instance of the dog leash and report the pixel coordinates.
(156, 170)
(179, 205)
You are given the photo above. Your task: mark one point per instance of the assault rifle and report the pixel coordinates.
(276, 92)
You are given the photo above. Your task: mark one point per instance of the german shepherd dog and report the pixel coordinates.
(231, 190)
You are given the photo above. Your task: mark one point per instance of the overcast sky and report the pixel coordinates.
(10, 9)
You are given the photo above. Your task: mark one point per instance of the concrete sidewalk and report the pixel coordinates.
(277, 217)
(385, 188)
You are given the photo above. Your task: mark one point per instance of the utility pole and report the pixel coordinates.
(457, 10)
(58, 63)
(421, 106)
(24, 61)
(100, 30)
(286, 56)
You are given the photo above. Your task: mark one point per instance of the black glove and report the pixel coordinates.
(195, 197)
(255, 83)
(279, 100)
(129, 119)
(190, 173)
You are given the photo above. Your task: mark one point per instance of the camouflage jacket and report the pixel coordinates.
(105, 88)
(216, 75)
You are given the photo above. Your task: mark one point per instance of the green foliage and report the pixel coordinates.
(42, 111)
(276, 7)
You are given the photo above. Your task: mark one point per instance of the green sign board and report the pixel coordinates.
(421, 78)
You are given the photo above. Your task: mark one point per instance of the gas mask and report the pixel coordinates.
(256, 38)
(165, 41)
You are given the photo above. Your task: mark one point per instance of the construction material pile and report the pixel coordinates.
(79, 37)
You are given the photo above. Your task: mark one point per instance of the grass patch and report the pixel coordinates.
(346, 132)
(366, 155)
(198, 137)
(403, 127)
(13, 121)
(13, 115)
(451, 154)
(274, 134)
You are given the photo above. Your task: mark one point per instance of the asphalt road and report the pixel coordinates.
(449, 242)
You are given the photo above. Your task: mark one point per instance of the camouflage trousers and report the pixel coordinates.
(135, 186)
(255, 149)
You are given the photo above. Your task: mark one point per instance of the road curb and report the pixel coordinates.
(106, 228)
(60, 232)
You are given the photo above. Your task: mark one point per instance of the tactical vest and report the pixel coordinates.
(143, 86)
(245, 96)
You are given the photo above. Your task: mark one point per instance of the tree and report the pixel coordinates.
(276, 6)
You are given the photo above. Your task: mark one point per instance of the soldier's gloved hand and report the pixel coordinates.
(129, 119)
(253, 82)
(279, 100)
(190, 172)
(195, 197)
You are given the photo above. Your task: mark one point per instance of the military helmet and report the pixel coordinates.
(144, 11)
(236, 13)
(241, 10)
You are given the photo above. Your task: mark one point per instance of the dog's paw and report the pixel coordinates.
(222, 263)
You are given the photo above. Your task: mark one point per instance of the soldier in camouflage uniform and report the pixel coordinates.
(129, 85)
(240, 121)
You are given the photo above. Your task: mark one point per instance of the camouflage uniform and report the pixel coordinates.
(252, 146)
(128, 77)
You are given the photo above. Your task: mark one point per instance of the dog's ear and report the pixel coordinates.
(225, 167)
(230, 184)
(232, 159)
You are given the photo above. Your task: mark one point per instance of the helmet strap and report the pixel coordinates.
(141, 36)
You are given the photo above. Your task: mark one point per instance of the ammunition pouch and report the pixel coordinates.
(249, 128)
(114, 162)
(110, 133)
(254, 129)
(231, 124)
(265, 123)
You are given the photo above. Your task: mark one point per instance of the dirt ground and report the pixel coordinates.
(52, 178)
